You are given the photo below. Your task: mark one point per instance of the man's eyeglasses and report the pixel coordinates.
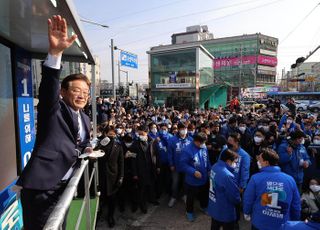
(78, 92)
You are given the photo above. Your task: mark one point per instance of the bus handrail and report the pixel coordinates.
(57, 216)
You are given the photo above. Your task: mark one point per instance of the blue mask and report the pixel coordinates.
(163, 132)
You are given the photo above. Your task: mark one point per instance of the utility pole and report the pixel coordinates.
(112, 71)
(94, 102)
(240, 72)
(119, 74)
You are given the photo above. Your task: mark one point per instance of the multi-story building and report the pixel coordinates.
(239, 61)
(86, 69)
(305, 77)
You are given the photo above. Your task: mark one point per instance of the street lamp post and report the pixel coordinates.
(112, 71)
(93, 72)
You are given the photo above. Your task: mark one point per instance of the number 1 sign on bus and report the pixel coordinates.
(129, 59)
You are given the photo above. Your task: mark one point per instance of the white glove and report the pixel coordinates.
(247, 217)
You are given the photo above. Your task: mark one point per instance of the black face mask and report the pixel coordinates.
(230, 146)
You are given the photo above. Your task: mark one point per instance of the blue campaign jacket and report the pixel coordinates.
(242, 170)
(283, 120)
(194, 159)
(271, 198)
(300, 225)
(176, 144)
(290, 164)
(161, 146)
(224, 193)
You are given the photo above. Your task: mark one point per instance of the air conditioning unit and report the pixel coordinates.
(196, 28)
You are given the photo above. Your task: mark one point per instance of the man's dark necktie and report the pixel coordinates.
(78, 135)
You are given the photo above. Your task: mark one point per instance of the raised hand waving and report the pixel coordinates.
(58, 35)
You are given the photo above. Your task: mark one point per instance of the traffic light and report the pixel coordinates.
(300, 60)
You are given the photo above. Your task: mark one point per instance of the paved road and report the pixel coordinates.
(161, 218)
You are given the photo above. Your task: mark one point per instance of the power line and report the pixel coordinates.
(145, 10)
(303, 19)
(217, 18)
(192, 14)
(187, 15)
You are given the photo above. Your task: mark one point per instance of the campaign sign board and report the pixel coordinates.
(10, 210)
(25, 105)
(129, 59)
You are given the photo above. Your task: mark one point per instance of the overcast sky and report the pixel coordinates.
(138, 25)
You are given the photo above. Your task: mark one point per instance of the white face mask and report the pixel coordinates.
(203, 146)
(315, 188)
(143, 138)
(154, 130)
(128, 130)
(283, 129)
(183, 132)
(289, 121)
(119, 131)
(259, 164)
(303, 141)
(233, 165)
(257, 139)
(316, 142)
(169, 126)
(128, 145)
(266, 128)
(242, 129)
(191, 132)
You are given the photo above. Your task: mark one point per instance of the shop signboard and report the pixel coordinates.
(267, 60)
(173, 85)
(245, 60)
(268, 52)
(233, 61)
(258, 92)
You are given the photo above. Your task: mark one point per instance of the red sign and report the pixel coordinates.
(246, 60)
(267, 60)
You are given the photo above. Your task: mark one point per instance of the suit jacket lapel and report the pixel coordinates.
(71, 120)
(86, 123)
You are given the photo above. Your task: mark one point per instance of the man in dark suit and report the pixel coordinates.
(144, 169)
(63, 132)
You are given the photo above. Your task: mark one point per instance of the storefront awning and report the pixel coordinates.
(215, 95)
(24, 23)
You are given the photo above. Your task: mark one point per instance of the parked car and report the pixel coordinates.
(314, 107)
(257, 105)
(301, 106)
